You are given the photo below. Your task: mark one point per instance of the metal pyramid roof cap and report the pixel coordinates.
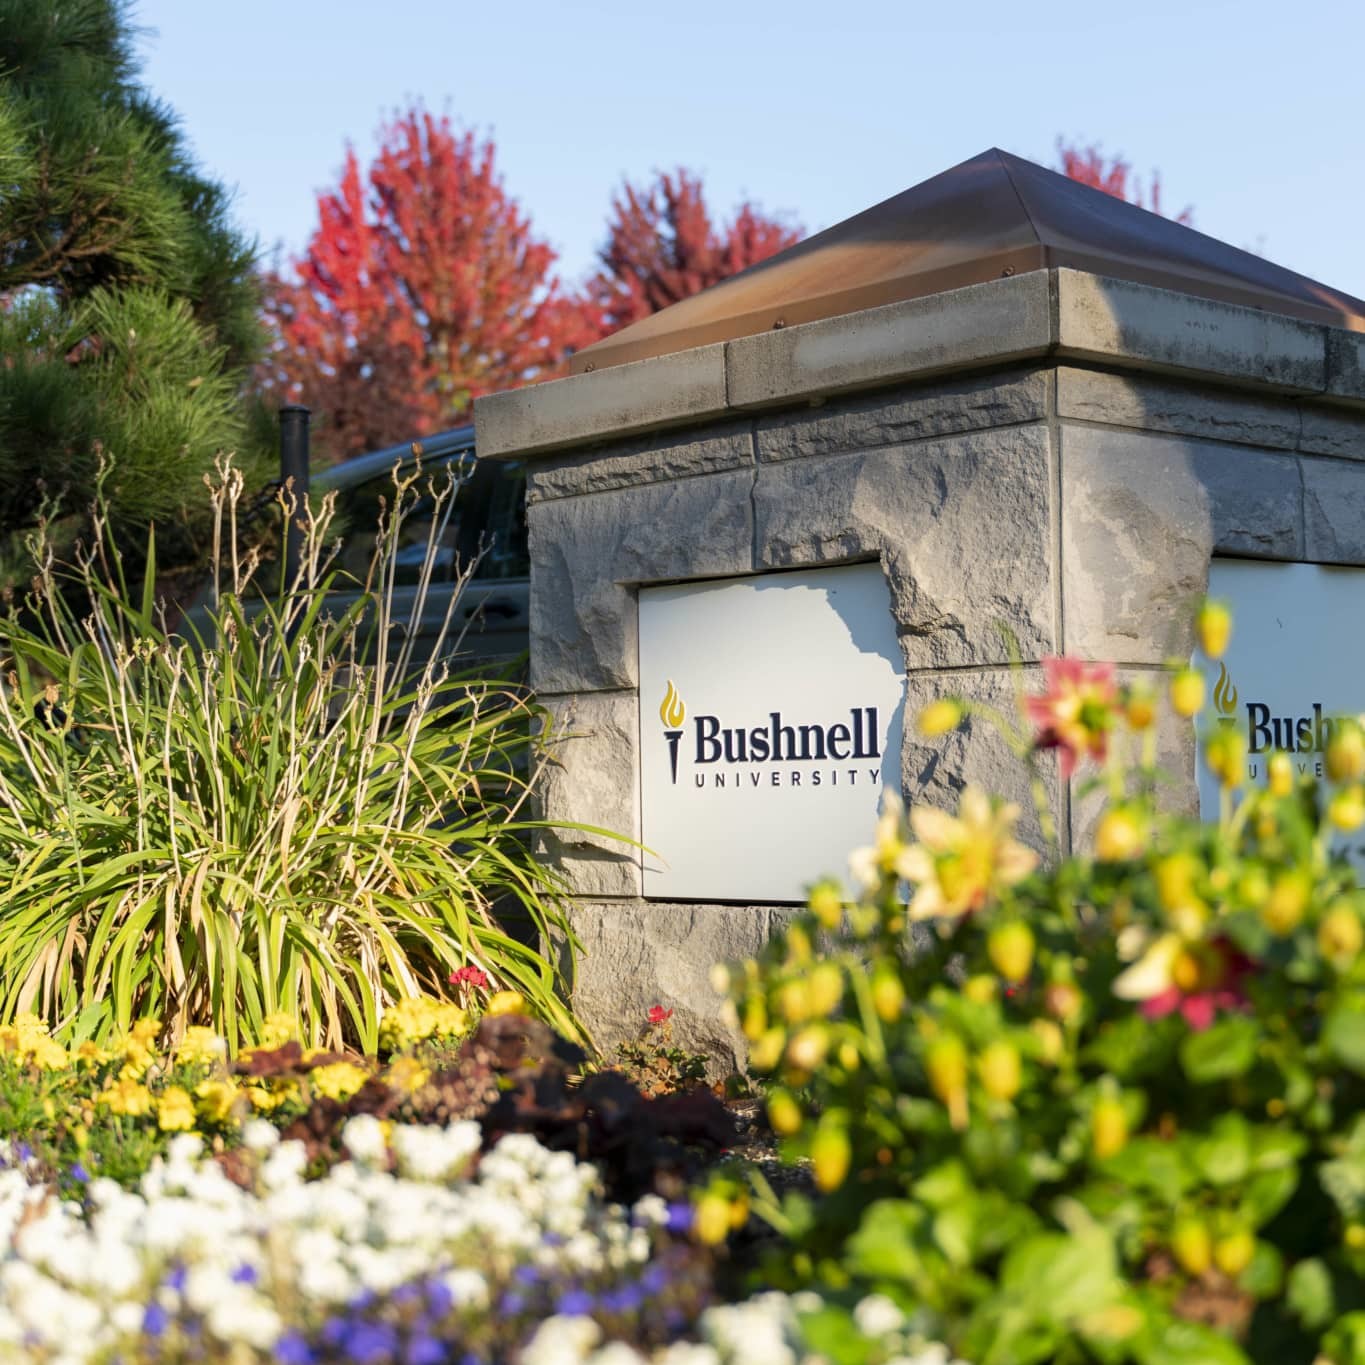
(992, 216)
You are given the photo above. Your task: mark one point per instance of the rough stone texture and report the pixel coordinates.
(588, 553)
(1112, 319)
(1334, 511)
(1175, 755)
(592, 778)
(1333, 431)
(893, 418)
(642, 396)
(1153, 404)
(652, 459)
(934, 771)
(636, 955)
(1141, 517)
(1346, 364)
(982, 324)
(960, 526)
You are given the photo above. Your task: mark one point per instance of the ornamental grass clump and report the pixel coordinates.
(1112, 1108)
(278, 809)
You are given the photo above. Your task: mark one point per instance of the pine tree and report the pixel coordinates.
(128, 304)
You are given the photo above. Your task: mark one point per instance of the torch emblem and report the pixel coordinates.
(1225, 697)
(672, 712)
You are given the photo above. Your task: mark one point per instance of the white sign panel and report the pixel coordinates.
(1297, 659)
(770, 721)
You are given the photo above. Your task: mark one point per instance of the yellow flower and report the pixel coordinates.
(939, 717)
(407, 1074)
(49, 1055)
(263, 1099)
(201, 1046)
(339, 1081)
(90, 1054)
(505, 1002)
(419, 1017)
(175, 1110)
(962, 861)
(128, 1097)
(1213, 625)
(867, 866)
(277, 1029)
(1121, 835)
(217, 1099)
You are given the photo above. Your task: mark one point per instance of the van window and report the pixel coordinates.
(489, 515)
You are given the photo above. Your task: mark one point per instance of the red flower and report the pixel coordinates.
(659, 1015)
(1212, 982)
(469, 976)
(1077, 710)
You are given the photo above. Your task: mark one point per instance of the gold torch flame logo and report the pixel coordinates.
(672, 712)
(1224, 693)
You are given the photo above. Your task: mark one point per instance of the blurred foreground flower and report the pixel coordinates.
(1076, 712)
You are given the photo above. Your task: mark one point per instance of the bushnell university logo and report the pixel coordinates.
(673, 712)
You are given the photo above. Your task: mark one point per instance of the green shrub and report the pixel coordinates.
(1112, 1107)
(292, 814)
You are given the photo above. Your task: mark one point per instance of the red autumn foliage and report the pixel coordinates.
(422, 287)
(662, 246)
(1113, 175)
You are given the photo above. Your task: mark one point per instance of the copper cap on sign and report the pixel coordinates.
(992, 216)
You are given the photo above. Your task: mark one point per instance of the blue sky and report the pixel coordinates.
(1251, 111)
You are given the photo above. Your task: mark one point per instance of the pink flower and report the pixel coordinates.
(1211, 982)
(659, 1015)
(1076, 711)
(469, 976)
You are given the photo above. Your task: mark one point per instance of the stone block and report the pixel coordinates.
(651, 459)
(1334, 511)
(961, 527)
(1137, 324)
(1150, 403)
(897, 416)
(636, 955)
(935, 771)
(1141, 517)
(641, 396)
(1333, 431)
(588, 553)
(591, 777)
(982, 324)
(1346, 364)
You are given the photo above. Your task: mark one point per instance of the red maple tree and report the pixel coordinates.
(662, 246)
(421, 288)
(1113, 175)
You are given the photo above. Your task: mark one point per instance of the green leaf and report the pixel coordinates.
(1227, 1049)
(1224, 1156)
(1150, 1164)
(1310, 1295)
(1188, 1343)
(1264, 1277)
(1267, 1193)
(884, 1245)
(1343, 1035)
(832, 1333)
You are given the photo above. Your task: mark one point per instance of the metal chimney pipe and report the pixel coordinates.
(294, 419)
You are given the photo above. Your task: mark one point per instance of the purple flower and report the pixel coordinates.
(244, 1274)
(424, 1350)
(370, 1343)
(575, 1303)
(439, 1298)
(25, 1152)
(176, 1277)
(512, 1302)
(154, 1320)
(78, 1172)
(292, 1349)
(679, 1218)
(526, 1275)
(654, 1279)
(625, 1298)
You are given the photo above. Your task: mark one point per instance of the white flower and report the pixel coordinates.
(364, 1139)
(877, 1316)
(561, 1341)
(259, 1136)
